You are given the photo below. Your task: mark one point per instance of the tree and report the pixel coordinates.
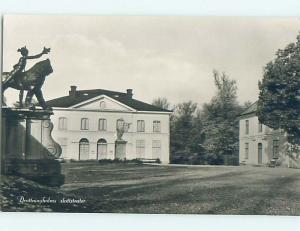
(220, 121)
(161, 103)
(181, 126)
(247, 104)
(279, 97)
(196, 140)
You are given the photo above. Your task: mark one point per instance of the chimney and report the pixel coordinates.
(129, 93)
(72, 92)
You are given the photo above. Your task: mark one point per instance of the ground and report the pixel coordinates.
(132, 188)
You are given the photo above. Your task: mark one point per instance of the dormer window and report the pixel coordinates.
(102, 104)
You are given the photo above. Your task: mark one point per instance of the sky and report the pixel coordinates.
(156, 56)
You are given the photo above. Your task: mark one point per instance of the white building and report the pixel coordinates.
(85, 125)
(258, 144)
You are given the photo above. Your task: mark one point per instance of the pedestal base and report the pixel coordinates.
(28, 149)
(46, 172)
(120, 147)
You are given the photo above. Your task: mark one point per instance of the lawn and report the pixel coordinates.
(132, 188)
(199, 190)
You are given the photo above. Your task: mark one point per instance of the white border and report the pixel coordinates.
(74, 222)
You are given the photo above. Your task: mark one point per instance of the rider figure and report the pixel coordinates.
(20, 66)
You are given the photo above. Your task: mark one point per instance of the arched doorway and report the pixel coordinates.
(84, 149)
(101, 149)
(259, 153)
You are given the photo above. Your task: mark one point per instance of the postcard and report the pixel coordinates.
(150, 115)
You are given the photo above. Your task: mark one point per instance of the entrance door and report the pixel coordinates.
(260, 153)
(101, 149)
(84, 149)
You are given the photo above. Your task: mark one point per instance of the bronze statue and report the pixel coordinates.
(31, 80)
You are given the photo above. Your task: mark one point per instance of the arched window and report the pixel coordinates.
(84, 149)
(246, 150)
(101, 149)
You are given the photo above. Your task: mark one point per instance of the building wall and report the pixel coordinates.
(69, 138)
(254, 137)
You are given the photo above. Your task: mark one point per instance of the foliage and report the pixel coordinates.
(161, 103)
(120, 161)
(209, 136)
(279, 98)
(181, 126)
(220, 121)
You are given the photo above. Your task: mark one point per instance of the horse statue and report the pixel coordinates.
(30, 81)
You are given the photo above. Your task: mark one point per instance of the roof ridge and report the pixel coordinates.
(123, 97)
(249, 109)
(100, 89)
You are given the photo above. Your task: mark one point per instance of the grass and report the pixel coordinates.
(130, 188)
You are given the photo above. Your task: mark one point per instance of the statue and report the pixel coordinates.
(31, 80)
(122, 127)
(29, 149)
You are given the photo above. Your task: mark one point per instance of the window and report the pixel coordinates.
(247, 127)
(140, 125)
(140, 148)
(102, 125)
(260, 153)
(84, 149)
(156, 149)
(62, 123)
(246, 150)
(275, 149)
(260, 127)
(156, 126)
(84, 124)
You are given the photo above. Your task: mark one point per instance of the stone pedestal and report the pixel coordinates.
(28, 148)
(120, 147)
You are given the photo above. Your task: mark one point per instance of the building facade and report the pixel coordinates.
(258, 144)
(101, 124)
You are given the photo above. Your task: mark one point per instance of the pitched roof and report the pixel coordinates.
(84, 95)
(251, 109)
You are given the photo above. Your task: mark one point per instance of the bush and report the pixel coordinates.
(119, 161)
(187, 158)
(231, 160)
(158, 161)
